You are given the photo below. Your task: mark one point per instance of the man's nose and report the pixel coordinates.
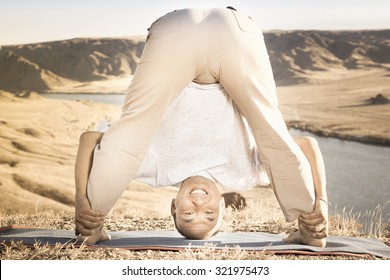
(198, 200)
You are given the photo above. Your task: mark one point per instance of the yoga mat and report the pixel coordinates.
(171, 240)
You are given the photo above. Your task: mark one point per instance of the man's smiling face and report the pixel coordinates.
(198, 208)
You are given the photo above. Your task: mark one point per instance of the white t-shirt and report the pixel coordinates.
(203, 133)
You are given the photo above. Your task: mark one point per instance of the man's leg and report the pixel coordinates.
(313, 227)
(246, 74)
(89, 223)
(167, 65)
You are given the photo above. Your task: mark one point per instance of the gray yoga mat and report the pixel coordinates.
(171, 240)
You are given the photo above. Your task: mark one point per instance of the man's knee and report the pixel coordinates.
(90, 137)
(306, 142)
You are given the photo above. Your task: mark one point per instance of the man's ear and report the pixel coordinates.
(173, 207)
(222, 204)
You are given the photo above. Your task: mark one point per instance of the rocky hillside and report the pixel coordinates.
(41, 66)
(295, 56)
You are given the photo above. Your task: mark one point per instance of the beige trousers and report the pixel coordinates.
(204, 46)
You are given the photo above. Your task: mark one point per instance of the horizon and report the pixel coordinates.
(135, 36)
(29, 22)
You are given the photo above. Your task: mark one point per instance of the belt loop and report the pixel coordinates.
(231, 8)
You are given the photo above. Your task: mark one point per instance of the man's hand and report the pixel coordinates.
(316, 222)
(87, 219)
(312, 227)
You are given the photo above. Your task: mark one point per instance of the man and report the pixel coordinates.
(207, 47)
(220, 153)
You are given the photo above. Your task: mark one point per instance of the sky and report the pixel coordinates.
(31, 21)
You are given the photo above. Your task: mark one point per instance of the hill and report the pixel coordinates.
(46, 66)
(296, 57)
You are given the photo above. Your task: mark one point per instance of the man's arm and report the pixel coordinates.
(316, 221)
(86, 219)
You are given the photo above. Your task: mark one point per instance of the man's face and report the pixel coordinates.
(198, 208)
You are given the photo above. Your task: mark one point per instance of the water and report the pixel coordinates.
(114, 99)
(358, 175)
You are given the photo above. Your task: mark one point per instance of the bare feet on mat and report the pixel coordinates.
(97, 234)
(312, 227)
(303, 236)
(89, 223)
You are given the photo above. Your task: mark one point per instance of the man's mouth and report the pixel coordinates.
(199, 191)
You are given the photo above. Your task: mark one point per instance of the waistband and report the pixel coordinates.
(206, 86)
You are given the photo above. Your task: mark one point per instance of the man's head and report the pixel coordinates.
(198, 208)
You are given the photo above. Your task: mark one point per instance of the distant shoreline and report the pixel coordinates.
(328, 133)
(81, 92)
(307, 126)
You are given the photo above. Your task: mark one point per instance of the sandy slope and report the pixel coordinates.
(38, 144)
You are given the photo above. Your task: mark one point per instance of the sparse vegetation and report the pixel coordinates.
(263, 219)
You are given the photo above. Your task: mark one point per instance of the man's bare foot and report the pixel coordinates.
(304, 236)
(98, 234)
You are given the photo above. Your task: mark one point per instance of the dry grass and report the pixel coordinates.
(261, 219)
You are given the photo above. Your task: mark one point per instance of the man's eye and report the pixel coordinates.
(209, 212)
(188, 213)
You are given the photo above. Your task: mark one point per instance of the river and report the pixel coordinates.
(358, 175)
